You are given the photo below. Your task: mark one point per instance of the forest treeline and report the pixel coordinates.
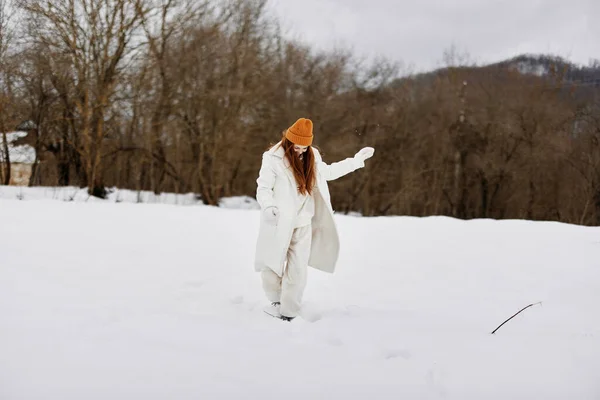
(184, 96)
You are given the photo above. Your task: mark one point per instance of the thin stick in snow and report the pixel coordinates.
(524, 308)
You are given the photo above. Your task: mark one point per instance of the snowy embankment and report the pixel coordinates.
(143, 301)
(116, 195)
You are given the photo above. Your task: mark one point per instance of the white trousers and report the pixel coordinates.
(288, 290)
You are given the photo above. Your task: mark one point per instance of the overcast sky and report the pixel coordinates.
(416, 32)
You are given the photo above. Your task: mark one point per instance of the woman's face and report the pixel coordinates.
(300, 149)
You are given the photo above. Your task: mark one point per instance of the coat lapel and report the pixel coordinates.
(279, 153)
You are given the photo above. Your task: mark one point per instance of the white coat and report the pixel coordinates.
(277, 187)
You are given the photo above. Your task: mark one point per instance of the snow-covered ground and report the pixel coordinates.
(116, 195)
(100, 300)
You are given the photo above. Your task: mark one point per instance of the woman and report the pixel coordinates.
(297, 228)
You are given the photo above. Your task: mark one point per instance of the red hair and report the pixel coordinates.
(303, 169)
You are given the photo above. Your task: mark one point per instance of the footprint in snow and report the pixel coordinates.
(194, 285)
(397, 353)
(312, 316)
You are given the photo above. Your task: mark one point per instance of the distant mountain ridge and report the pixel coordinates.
(546, 64)
(559, 71)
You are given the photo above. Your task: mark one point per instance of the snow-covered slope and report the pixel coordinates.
(116, 195)
(140, 301)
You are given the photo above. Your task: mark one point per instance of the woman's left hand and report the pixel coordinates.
(365, 153)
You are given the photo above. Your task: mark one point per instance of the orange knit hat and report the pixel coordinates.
(301, 133)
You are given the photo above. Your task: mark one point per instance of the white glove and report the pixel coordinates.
(363, 154)
(271, 215)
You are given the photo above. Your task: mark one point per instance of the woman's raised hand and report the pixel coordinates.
(365, 153)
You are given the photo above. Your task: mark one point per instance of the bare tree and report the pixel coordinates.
(171, 20)
(6, 37)
(98, 38)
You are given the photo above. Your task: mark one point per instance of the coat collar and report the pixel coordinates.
(277, 150)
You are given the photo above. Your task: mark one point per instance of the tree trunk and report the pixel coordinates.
(35, 172)
(460, 190)
(597, 205)
(6, 159)
(484, 197)
(64, 172)
(96, 179)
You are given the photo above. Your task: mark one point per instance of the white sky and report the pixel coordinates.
(416, 32)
